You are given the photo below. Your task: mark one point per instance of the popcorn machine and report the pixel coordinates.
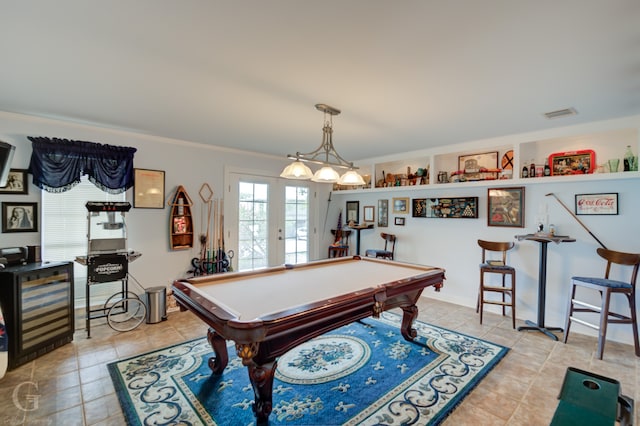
(107, 261)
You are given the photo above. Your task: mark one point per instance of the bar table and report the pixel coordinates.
(543, 240)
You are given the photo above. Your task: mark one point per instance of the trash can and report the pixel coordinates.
(156, 304)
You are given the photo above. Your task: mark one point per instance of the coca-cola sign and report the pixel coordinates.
(597, 203)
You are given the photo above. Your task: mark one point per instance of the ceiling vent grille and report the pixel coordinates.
(560, 113)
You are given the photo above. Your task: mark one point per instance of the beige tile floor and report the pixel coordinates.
(74, 387)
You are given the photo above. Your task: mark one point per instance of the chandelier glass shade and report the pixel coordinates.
(326, 156)
(351, 177)
(326, 175)
(297, 170)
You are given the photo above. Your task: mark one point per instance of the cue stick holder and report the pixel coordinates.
(107, 257)
(214, 258)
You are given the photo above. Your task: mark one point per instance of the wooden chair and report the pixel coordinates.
(340, 246)
(606, 287)
(386, 253)
(497, 266)
(338, 251)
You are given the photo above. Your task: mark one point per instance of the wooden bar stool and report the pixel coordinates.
(607, 287)
(497, 266)
(338, 251)
(340, 247)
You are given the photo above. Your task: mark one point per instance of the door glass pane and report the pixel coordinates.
(296, 224)
(253, 225)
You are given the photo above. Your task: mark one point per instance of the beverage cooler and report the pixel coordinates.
(37, 304)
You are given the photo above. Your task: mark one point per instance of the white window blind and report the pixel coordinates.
(64, 234)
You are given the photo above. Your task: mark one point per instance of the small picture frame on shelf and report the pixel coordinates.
(505, 207)
(401, 205)
(16, 182)
(572, 162)
(475, 163)
(179, 225)
(19, 217)
(399, 221)
(383, 213)
(597, 204)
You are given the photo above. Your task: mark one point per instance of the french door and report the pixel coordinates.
(272, 221)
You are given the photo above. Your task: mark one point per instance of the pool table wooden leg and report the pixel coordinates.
(261, 377)
(218, 363)
(410, 313)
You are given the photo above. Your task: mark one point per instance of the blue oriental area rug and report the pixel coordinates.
(364, 373)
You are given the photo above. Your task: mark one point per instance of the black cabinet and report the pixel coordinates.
(37, 304)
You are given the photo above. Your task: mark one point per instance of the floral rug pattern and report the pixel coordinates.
(364, 373)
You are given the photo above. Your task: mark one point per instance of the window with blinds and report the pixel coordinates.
(64, 234)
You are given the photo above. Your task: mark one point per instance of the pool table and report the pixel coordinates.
(269, 311)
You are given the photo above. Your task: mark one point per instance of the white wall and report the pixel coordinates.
(448, 243)
(186, 164)
(451, 243)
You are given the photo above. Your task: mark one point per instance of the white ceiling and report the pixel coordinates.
(407, 75)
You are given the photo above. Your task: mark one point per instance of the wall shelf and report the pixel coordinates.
(500, 183)
(180, 221)
(606, 144)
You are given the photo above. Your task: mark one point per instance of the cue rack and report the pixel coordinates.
(213, 259)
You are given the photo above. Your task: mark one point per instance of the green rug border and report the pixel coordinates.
(132, 418)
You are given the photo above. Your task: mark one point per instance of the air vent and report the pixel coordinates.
(560, 113)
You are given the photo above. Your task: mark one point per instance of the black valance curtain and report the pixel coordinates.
(57, 164)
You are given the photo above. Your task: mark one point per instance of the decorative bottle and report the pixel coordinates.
(532, 169)
(525, 171)
(547, 169)
(628, 159)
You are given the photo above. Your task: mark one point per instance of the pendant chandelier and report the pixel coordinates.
(326, 156)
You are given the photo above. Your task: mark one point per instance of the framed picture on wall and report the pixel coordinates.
(19, 217)
(16, 182)
(419, 207)
(399, 221)
(353, 211)
(505, 207)
(401, 205)
(383, 213)
(148, 189)
(597, 204)
(452, 208)
(368, 213)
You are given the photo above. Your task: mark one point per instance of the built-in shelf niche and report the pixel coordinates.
(609, 144)
(393, 172)
(450, 163)
(606, 145)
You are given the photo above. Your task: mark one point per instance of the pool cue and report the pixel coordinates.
(208, 241)
(214, 231)
(220, 256)
(203, 235)
(326, 215)
(225, 258)
(576, 218)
